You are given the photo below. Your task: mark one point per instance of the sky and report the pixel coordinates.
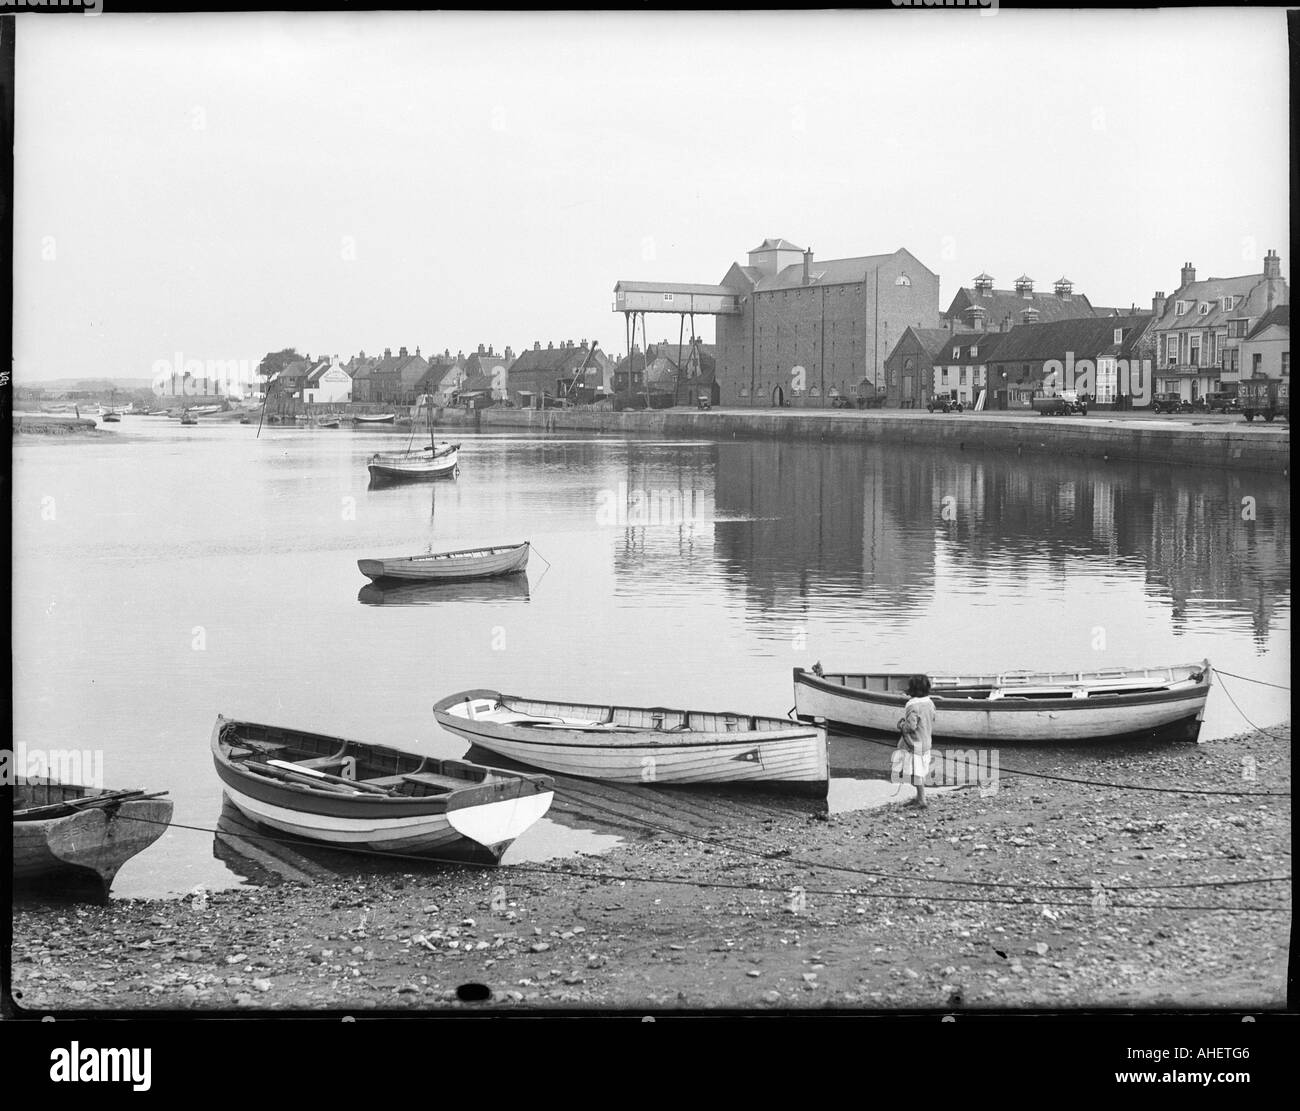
(215, 187)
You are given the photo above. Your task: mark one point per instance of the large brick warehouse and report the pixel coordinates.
(807, 330)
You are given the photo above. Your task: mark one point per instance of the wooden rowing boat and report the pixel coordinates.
(648, 746)
(435, 461)
(67, 836)
(328, 422)
(374, 798)
(469, 563)
(502, 588)
(380, 418)
(1021, 706)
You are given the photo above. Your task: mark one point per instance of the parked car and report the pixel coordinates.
(1061, 404)
(839, 401)
(949, 404)
(1170, 403)
(1221, 401)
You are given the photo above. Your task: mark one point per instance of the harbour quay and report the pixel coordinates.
(1222, 443)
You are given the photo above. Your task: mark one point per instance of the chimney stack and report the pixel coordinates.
(1272, 265)
(480, 350)
(1188, 275)
(807, 266)
(388, 352)
(1025, 287)
(1158, 304)
(537, 345)
(509, 354)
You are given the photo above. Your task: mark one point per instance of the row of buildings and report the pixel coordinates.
(576, 372)
(793, 330)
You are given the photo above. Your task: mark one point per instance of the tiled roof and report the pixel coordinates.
(932, 339)
(836, 271)
(983, 345)
(1086, 337)
(1280, 316)
(675, 287)
(999, 304)
(551, 360)
(775, 245)
(1211, 293)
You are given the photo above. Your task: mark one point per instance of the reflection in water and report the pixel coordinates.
(504, 588)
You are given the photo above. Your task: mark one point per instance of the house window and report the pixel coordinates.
(1119, 335)
(1286, 364)
(1256, 365)
(902, 279)
(1205, 307)
(974, 351)
(956, 352)
(1195, 356)
(1228, 302)
(668, 296)
(1180, 307)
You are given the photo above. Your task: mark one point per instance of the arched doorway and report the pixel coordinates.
(778, 396)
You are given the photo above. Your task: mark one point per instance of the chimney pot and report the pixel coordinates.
(388, 352)
(537, 345)
(1188, 275)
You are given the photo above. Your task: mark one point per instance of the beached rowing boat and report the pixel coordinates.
(469, 563)
(640, 745)
(70, 836)
(372, 797)
(380, 418)
(1020, 706)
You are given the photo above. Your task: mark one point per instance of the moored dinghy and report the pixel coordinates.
(375, 798)
(406, 465)
(460, 566)
(645, 746)
(67, 835)
(1166, 703)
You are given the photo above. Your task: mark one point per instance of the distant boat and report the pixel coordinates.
(67, 835)
(189, 418)
(111, 418)
(405, 466)
(1024, 706)
(388, 592)
(328, 422)
(382, 418)
(469, 563)
(646, 746)
(375, 798)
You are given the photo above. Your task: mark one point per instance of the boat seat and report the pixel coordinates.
(442, 782)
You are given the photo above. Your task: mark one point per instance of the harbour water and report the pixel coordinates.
(168, 574)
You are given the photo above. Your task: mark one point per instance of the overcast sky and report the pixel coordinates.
(224, 185)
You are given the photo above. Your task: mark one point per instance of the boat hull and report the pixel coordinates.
(386, 418)
(1175, 713)
(784, 753)
(476, 563)
(412, 469)
(87, 849)
(476, 822)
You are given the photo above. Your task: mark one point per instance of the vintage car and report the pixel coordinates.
(949, 403)
(1169, 403)
(1265, 397)
(1221, 401)
(1061, 404)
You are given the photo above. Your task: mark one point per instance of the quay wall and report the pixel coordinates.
(1236, 445)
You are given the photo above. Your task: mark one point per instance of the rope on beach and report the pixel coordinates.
(607, 877)
(1129, 786)
(1258, 729)
(1248, 679)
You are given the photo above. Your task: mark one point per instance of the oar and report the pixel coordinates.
(87, 803)
(317, 773)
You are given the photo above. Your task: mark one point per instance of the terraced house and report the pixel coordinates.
(1198, 332)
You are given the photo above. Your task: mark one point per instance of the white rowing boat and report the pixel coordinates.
(646, 746)
(1021, 706)
(470, 563)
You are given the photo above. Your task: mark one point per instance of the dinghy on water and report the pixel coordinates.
(70, 836)
(380, 418)
(470, 563)
(440, 462)
(646, 746)
(372, 797)
(1166, 703)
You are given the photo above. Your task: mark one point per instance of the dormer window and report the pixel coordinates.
(974, 351)
(956, 352)
(1119, 335)
(1228, 302)
(1205, 307)
(1180, 307)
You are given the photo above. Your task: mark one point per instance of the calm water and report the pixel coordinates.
(172, 573)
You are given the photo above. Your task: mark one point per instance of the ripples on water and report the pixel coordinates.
(171, 573)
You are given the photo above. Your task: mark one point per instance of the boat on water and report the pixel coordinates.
(189, 418)
(400, 466)
(469, 563)
(328, 422)
(378, 418)
(1140, 703)
(374, 798)
(646, 746)
(111, 418)
(389, 592)
(68, 836)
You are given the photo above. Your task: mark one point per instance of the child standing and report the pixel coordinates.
(916, 728)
